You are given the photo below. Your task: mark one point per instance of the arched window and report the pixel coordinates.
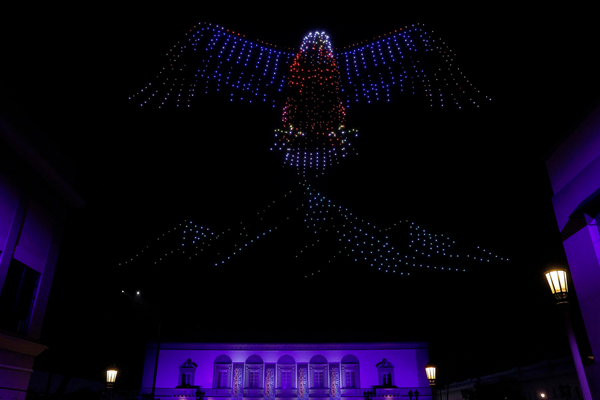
(286, 372)
(254, 372)
(222, 372)
(350, 375)
(319, 373)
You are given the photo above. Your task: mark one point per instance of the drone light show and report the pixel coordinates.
(314, 116)
(315, 86)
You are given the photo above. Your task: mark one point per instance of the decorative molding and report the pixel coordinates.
(289, 346)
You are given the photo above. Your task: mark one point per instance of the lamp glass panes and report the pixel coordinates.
(430, 371)
(111, 375)
(557, 280)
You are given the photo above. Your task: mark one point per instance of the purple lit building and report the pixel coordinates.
(287, 371)
(35, 197)
(574, 170)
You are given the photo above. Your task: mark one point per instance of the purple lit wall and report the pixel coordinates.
(408, 361)
(34, 202)
(574, 171)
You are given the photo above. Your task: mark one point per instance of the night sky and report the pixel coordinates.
(475, 175)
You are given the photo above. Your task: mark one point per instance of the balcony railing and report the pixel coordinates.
(318, 392)
(286, 392)
(254, 392)
(356, 393)
(352, 391)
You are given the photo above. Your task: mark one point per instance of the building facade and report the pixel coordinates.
(287, 371)
(574, 171)
(35, 197)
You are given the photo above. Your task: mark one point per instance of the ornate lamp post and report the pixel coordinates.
(558, 281)
(431, 371)
(111, 377)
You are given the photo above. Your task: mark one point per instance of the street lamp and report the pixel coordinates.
(558, 281)
(431, 371)
(111, 377)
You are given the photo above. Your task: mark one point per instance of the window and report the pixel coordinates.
(222, 372)
(187, 371)
(253, 378)
(286, 379)
(319, 372)
(350, 372)
(18, 295)
(254, 372)
(223, 378)
(286, 370)
(350, 379)
(385, 370)
(318, 380)
(386, 379)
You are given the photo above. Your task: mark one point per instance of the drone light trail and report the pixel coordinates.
(400, 249)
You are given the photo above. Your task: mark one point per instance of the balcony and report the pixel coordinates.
(286, 392)
(186, 393)
(254, 392)
(218, 392)
(318, 392)
(389, 392)
(352, 392)
(357, 393)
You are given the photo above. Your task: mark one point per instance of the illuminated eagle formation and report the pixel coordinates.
(319, 84)
(316, 87)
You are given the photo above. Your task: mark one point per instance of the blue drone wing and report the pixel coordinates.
(407, 60)
(211, 59)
